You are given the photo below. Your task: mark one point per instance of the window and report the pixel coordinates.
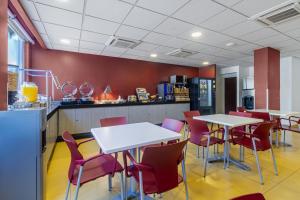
(15, 49)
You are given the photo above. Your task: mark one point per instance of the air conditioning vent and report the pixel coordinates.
(281, 13)
(122, 42)
(181, 53)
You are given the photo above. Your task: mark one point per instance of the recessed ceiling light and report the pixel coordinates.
(229, 44)
(65, 41)
(153, 55)
(205, 63)
(196, 34)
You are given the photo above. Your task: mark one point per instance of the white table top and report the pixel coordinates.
(228, 120)
(130, 136)
(278, 113)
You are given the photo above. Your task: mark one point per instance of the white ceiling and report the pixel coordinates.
(162, 26)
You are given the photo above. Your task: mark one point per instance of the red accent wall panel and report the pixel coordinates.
(267, 76)
(208, 71)
(3, 53)
(123, 75)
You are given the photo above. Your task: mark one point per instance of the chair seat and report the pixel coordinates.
(213, 140)
(247, 142)
(96, 168)
(292, 128)
(149, 181)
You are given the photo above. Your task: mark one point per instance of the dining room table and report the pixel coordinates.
(228, 122)
(131, 137)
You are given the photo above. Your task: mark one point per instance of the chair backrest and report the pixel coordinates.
(164, 162)
(172, 124)
(240, 109)
(254, 196)
(261, 115)
(75, 154)
(262, 133)
(198, 128)
(113, 121)
(191, 114)
(241, 114)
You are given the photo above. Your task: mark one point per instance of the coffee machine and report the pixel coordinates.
(166, 91)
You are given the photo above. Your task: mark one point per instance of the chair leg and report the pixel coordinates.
(185, 150)
(125, 186)
(122, 186)
(274, 162)
(109, 183)
(203, 153)
(184, 179)
(277, 139)
(141, 186)
(284, 137)
(78, 182)
(198, 152)
(225, 154)
(228, 155)
(68, 189)
(257, 162)
(207, 154)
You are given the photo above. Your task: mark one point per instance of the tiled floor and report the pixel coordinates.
(219, 184)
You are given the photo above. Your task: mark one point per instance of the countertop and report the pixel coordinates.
(56, 105)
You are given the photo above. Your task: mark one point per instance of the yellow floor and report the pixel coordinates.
(219, 184)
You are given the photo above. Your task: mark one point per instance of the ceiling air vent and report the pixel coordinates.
(181, 53)
(278, 14)
(122, 42)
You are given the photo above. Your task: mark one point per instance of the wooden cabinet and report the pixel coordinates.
(51, 136)
(81, 120)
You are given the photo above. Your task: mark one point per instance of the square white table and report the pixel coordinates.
(131, 137)
(229, 121)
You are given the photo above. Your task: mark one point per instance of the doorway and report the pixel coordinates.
(230, 94)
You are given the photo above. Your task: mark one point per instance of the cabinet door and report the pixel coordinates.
(156, 113)
(66, 120)
(250, 83)
(83, 120)
(97, 114)
(138, 114)
(175, 111)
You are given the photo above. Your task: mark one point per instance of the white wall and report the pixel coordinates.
(290, 84)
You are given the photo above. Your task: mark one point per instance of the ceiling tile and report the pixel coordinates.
(223, 20)
(163, 49)
(271, 41)
(129, 1)
(65, 48)
(294, 33)
(88, 51)
(228, 3)
(198, 11)
(144, 46)
(115, 49)
(112, 10)
(289, 25)
(94, 37)
(39, 26)
(91, 45)
(166, 7)
(138, 52)
(131, 32)
(73, 5)
(196, 46)
(45, 38)
(242, 28)
(142, 18)
(110, 53)
(259, 35)
(59, 16)
(30, 9)
(99, 25)
(56, 41)
(56, 30)
(156, 38)
(173, 27)
(176, 42)
(253, 7)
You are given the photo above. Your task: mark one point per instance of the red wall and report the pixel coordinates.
(123, 75)
(267, 75)
(3, 54)
(208, 71)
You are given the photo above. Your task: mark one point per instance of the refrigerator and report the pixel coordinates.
(22, 147)
(202, 95)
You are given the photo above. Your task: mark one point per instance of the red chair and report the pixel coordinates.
(201, 136)
(158, 170)
(258, 141)
(292, 121)
(254, 196)
(191, 114)
(240, 109)
(113, 121)
(82, 170)
(172, 125)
